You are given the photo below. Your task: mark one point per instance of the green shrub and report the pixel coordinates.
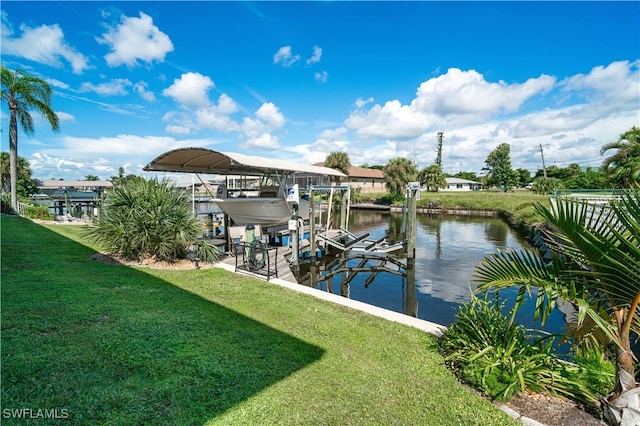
(430, 203)
(488, 351)
(37, 212)
(5, 204)
(150, 218)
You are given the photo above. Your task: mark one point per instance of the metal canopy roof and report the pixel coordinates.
(202, 160)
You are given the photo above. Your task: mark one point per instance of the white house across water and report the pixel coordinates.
(457, 184)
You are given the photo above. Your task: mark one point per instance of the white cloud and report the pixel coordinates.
(257, 136)
(455, 98)
(135, 39)
(322, 77)
(44, 44)
(112, 88)
(617, 80)
(328, 141)
(212, 118)
(179, 122)
(467, 92)
(217, 117)
(285, 57)
(65, 116)
(390, 121)
(141, 89)
(76, 157)
(190, 90)
(360, 103)
(226, 105)
(178, 129)
(317, 54)
(57, 83)
(476, 115)
(269, 113)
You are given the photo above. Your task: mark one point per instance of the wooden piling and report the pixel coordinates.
(413, 193)
(312, 225)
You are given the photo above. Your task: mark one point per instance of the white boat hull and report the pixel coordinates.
(260, 211)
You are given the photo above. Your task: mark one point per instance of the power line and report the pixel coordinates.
(608, 112)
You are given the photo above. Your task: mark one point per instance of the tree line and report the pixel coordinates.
(621, 169)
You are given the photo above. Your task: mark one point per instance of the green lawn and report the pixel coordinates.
(119, 345)
(480, 200)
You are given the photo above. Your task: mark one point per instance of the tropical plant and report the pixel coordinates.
(574, 169)
(623, 167)
(485, 348)
(432, 177)
(523, 177)
(150, 218)
(37, 212)
(589, 179)
(439, 149)
(26, 184)
(498, 167)
(543, 185)
(121, 179)
(24, 92)
(5, 204)
(467, 175)
(398, 172)
(594, 271)
(338, 160)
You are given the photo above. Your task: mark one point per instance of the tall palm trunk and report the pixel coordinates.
(13, 153)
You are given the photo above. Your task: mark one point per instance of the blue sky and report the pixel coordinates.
(298, 80)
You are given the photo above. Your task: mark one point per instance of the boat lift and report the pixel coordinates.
(322, 236)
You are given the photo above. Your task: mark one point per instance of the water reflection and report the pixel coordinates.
(447, 251)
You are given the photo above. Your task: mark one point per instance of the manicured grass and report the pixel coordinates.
(480, 200)
(119, 345)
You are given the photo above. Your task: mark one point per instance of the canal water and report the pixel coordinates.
(448, 248)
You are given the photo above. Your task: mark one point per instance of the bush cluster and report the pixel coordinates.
(150, 219)
(491, 353)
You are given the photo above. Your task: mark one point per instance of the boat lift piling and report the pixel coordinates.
(294, 261)
(315, 217)
(413, 195)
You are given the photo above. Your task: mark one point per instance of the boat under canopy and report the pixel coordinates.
(271, 207)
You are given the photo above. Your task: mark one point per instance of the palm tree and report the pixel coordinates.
(595, 269)
(432, 177)
(26, 185)
(24, 92)
(150, 218)
(338, 160)
(398, 173)
(623, 167)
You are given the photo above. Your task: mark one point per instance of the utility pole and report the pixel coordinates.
(544, 169)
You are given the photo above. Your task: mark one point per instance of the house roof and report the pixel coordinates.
(61, 184)
(459, 180)
(202, 160)
(362, 172)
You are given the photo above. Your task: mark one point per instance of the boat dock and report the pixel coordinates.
(277, 267)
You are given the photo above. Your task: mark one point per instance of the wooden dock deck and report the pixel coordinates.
(277, 258)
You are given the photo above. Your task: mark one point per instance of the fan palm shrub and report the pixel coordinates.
(150, 219)
(594, 274)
